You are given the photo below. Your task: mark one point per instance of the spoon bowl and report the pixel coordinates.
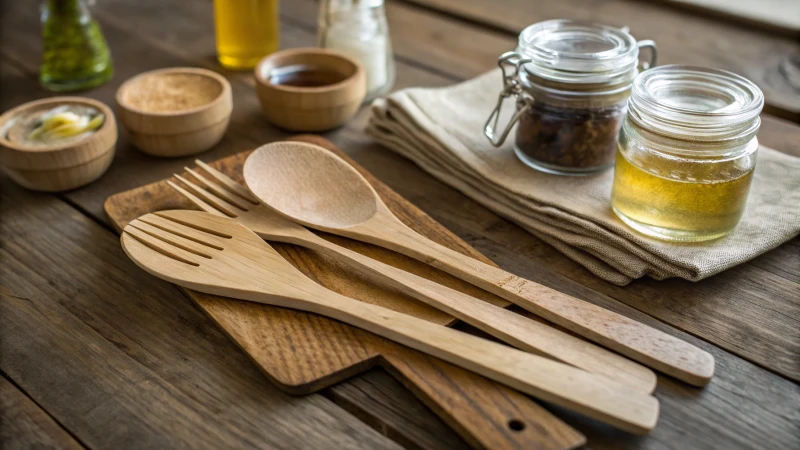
(298, 181)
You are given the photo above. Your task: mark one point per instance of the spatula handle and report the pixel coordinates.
(636, 340)
(508, 326)
(554, 382)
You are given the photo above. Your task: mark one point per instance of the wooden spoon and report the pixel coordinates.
(217, 256)
(316, 188)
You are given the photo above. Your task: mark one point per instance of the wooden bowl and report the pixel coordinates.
(175, 112)
(58, 167)
(316, 108)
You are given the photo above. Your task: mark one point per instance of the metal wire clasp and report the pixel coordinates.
(511, 86)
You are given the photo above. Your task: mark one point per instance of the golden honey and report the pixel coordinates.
(247, 30)
(686, 153)
(668, 201)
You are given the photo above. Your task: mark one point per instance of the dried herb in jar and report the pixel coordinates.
(570, 138)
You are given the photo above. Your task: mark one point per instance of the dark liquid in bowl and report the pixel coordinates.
(305, 76)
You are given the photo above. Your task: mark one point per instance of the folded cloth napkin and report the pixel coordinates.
(441, 130)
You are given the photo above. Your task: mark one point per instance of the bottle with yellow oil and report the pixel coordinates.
(686, 153)
(247, 30)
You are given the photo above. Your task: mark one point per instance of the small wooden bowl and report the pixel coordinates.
(58, 167)
(175, 112)
(310, 109)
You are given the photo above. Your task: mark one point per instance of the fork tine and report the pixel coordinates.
(141, 238)
(196, 200)
(207, 241)
(213, 200)
(221, 192)
(174, 237)
(228, 182)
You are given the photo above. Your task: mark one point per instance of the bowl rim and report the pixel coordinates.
(108, 123)
(261, 81)
(127, 84)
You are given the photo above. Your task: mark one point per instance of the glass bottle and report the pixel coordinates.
(686, 154)
(246, 30)
(358, 28)
(571, 81)
(75, 52)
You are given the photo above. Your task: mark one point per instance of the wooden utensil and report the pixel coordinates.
(217, 256)
(224, 197)
(302, 353)
(315, 188)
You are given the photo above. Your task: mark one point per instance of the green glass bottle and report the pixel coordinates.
(75, 53)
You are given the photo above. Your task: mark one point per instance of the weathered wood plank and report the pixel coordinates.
(23, 425)
(748, 399)
(779, 16)
(408, 423)
(123, 360)
(683, 37)
(771, 346)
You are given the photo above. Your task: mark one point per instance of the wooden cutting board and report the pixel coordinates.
(302, 353)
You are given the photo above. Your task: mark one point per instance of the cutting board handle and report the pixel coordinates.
(486, 414)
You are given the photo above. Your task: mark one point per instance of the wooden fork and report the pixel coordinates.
(215, 255)
(223, 196)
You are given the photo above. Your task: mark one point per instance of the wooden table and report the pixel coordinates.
(96, 353)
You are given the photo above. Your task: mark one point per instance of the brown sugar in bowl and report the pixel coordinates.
(60, 166)
(310, 108)
(175, 112)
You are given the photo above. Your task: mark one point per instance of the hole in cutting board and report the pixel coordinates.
(516, 425)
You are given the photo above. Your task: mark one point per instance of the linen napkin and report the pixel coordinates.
(441, 130)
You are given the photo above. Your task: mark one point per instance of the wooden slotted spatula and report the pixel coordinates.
(217, 256)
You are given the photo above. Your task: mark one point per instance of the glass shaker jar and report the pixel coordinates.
(75, 54)
(571, 81)
(358, 28)
(687, 151)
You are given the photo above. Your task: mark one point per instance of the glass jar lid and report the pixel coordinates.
(696, 103)
(568, 51)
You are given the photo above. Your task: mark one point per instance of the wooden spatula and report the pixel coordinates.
(215, 255)
(316, 188)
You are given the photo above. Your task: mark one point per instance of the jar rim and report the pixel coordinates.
(572, 51)
(696, 103)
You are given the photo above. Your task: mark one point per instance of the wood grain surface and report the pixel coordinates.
(24, 425)
(749, 312)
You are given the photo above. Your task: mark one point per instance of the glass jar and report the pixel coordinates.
(75, 54)
(571, 81)
(246, 31)
(686, 153)
(359, 30)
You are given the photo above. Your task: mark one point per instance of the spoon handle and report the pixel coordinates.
(594, 396)
(633, 339)
(508, 326)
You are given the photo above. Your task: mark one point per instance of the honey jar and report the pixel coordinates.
(686, 153)
(571, 81)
